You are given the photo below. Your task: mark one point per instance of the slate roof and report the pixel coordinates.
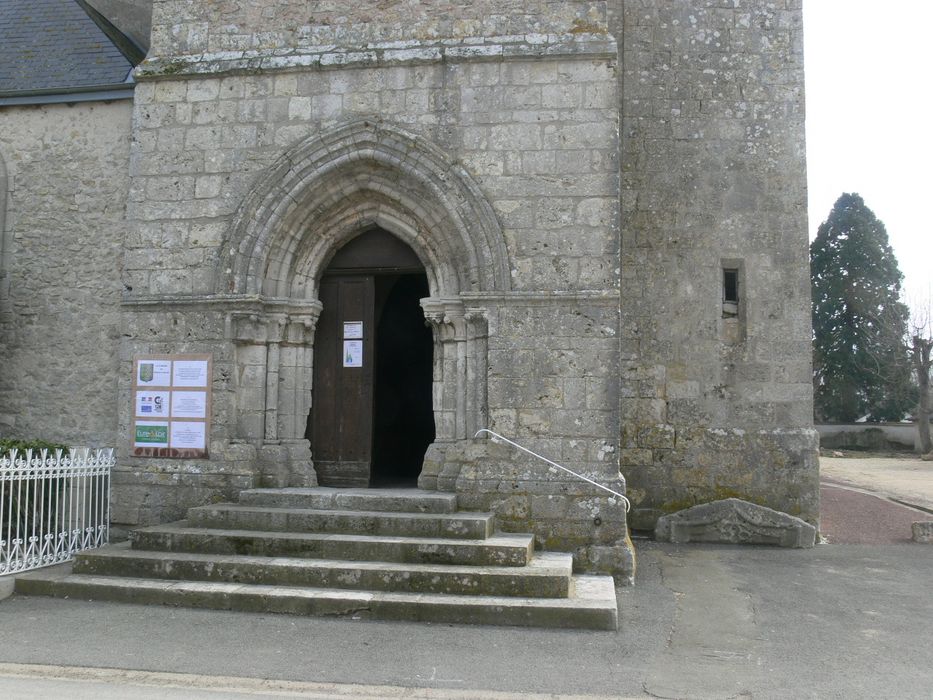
(60, 46)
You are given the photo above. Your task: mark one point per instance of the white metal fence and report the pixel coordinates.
(52, 505)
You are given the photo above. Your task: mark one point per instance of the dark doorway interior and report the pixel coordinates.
(403, 415)
(372, 420)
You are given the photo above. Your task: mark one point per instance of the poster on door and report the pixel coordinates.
(171, 406)
(353, 353)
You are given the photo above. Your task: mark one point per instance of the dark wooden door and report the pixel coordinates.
(342, 408)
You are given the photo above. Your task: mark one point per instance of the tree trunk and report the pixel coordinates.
(920, 354)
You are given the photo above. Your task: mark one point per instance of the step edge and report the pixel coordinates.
(111, 582)
(531, 569)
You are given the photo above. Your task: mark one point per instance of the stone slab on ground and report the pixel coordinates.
(922, 532)
(734, 521)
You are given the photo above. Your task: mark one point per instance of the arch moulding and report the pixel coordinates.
(364, 170)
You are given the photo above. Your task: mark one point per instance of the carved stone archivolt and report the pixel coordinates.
(324, 190)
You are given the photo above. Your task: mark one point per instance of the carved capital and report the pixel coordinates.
(478, 322)
(301, 327)
(247, 328)
(447, 317)
(275, 323)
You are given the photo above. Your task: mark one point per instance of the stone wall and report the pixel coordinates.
(535, 136)
(575, 200)
(539, 136)
(60, 274)
(716, 401)
(184, 27)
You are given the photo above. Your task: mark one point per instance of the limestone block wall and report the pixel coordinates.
(539, 136)
(716, 401)
(60, 269)
(531, 119)
(147, 491)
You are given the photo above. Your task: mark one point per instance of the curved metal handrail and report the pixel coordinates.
(496, 437)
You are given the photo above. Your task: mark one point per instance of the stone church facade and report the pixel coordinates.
(599, 206)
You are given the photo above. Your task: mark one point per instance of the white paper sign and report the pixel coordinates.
(187, 436)
(152, 404)
(189, 404)
(190, 373)
(353, 353)
(154, 373)
(352, 329)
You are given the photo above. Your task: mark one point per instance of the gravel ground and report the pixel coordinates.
(867, 499)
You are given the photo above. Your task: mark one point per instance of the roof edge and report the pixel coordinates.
(92, 93)
(133, 52)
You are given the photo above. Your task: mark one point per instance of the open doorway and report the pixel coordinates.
(403, 415)
(372, 415)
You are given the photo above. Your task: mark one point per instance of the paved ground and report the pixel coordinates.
(850, 515)
(902, 478)
(835, 621)
(874, 500)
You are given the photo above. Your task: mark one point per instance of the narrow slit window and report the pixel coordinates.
(730, 286)
(730, 292)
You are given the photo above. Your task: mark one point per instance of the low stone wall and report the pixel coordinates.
(869, 436)
(564, 513)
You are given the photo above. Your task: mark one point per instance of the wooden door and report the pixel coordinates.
(342, 406)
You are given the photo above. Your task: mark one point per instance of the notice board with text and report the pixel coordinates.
(171, 405)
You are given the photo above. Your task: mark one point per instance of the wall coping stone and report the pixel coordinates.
(584, 45)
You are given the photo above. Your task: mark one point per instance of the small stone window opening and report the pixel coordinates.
(730, 292)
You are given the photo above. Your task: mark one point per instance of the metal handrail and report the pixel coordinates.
(496, 437)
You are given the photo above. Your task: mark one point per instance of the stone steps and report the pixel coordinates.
(321, 498)
(497, 550)
(593, 605)
(547, 576)
(379, 553)
(245, 517)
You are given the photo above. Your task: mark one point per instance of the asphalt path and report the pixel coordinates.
(702, 621)
(846, 619)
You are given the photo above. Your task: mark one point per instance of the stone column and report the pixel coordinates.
(275, 329)
(295, 375)
(477, 357)
(273, 369)
(248, 332)
(460, 360)
(445, 316)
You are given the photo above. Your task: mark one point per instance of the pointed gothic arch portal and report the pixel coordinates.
(372, 416)
(301, 244)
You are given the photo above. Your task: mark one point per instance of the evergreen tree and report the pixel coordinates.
(861, 365)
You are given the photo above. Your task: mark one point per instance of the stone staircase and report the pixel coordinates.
(390, 554)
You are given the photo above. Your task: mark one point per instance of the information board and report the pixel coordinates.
(171, 406)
